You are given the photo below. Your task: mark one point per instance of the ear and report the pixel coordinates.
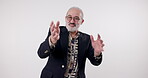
(82, 21)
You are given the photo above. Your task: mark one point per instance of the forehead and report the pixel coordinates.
(74, 12)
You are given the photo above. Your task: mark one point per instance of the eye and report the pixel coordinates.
(76, 18)
(69, 17)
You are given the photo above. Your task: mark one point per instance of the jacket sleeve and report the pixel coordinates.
(45, 49)
(90, 54)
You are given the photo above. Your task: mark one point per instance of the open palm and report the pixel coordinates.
(97, 45)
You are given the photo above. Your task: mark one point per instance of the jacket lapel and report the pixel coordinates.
(64, 43)
(80, 49)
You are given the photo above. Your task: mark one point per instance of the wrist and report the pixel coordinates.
(97, 54)
(51, 44)
(97, 57)
(52, 40)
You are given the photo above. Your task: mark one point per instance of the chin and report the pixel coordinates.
(72, 29)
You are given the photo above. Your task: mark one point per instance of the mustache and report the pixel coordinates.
(72, 24)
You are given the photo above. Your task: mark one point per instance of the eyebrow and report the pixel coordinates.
(71, 15)
(68, 15)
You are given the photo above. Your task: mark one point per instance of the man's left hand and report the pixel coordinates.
(97, 45)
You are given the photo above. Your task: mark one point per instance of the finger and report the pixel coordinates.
(91, 38)
(57, 27)
(103, 45)
(51, 23)
(102, 49)
(99, 37)
(57, 24)
(58, 30)
(56, 36)
(101, 41)
(53, 32)
(52, 26)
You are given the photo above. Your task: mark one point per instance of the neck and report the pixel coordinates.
(73, 34)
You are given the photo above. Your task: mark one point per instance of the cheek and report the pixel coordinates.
(79, 23)
(66, 21)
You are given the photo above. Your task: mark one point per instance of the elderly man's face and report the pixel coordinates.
(73, 19)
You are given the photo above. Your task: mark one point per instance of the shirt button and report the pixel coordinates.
(62, 66)
(46, 51)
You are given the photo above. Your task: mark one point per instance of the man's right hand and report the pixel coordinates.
(55, 32)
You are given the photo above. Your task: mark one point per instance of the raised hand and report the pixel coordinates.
(55, 31)
(97, 45)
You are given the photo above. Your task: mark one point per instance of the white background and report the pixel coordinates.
(122, 24)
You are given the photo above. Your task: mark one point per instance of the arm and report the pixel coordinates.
(47, 47)
(95, 60)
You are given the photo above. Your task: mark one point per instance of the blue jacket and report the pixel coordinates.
(57, 57)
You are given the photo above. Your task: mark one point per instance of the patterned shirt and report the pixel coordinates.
(72, 58)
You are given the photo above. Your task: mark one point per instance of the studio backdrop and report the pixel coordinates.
(122, 24)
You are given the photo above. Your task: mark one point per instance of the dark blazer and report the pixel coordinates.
(57, 57)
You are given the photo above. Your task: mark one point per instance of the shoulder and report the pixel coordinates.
(84, 35)
(63, 29)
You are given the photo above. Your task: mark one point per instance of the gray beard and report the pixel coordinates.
(72, 29)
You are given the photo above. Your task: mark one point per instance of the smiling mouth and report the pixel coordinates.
(72, 25)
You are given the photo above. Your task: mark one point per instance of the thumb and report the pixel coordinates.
(91, 38)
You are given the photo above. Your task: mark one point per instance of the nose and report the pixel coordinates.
(72, 20)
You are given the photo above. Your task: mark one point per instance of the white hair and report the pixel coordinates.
(78, 9)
